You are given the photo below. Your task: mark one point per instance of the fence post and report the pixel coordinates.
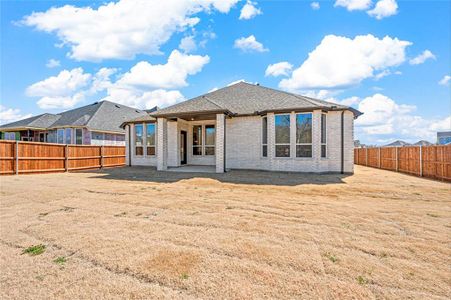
(379, 159)
(421, 161)
(101, 156)
(66, 158)
(17, 157)
(443, 164)
(366, 159)
(396, 159)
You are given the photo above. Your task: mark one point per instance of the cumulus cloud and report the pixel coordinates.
(249, 44)
(53, 63)
(120, 30)
(315, 5)
(8, 115)
(445, 80)
(340, 61)
(188, 44)
(249, 11)
(385, 119)
(278, 69)
(383, 9)
(422, 57)
(354, 4)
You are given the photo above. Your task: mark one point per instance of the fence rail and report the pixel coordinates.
(32, 157)
(424, 161)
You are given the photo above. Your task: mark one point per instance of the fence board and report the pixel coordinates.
(33, 157)
(429, 161)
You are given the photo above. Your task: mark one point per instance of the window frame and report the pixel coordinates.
(205, 139)
(203, 136)
(154, 145)
(135, 139)
(75, 136)
(289, 136)
(323, 134)
(264, 145)
(57, 135)
(296, 135)
(66, 135)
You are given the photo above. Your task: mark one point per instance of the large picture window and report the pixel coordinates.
(265, 137)
(282, 124)
(323, 135)
(304, 135)
(139, 140)
(197, 140)
(150, 139)
(210, 136)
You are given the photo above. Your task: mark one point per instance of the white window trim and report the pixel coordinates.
(263, 144)
(145, 139)
(321, 132)
(283, 144)
(303, 144)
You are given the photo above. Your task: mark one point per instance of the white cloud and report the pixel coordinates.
(173, 74)
(315, 5)
(249, 11)
(445, 80)
(249, 44)
(188, 44)
(385, 119)
(383, 9)
(8, 115)
(61, 91)
(354, 4)
(144, 99)
(422, 57)
(53, 63)
(120, 30)
(340, 61)
(281, 68)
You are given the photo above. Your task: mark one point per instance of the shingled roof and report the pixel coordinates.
(101, 116)
(248, 99)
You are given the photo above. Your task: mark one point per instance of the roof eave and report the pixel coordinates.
(190, 113)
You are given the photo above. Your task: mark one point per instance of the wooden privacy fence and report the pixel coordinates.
(31, 157)
(424, 161)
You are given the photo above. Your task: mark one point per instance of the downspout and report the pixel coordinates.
(225, 119)
(129, 145)
(342, 143)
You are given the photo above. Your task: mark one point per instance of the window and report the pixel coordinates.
(139, 139)
(304, 135)
(265, 137)
(68, 135)
(323, 135)
(60, 136)
(210, 136)
(51, 137)
(79, 136)
(150, 139)
(197, 140)
(282, 124)
(11, 136)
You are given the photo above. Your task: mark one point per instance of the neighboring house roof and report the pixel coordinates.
(248, 99)
(397, 143)
(423, 143)
(146, 118)
(100, 116)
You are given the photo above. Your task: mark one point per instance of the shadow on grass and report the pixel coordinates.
(150, 174)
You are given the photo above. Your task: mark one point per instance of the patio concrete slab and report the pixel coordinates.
(193, 169)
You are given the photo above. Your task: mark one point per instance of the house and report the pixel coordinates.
(397, 143)
(246, 126)
(444, 138)
(93, 124)
(423, 143)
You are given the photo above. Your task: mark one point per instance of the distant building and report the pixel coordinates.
(423, 143)
(93, 124)
(398, 143)
(444, 137)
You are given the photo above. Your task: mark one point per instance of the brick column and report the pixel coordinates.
(271, 139)
(220, 143)
(316, 138)
(162, 144)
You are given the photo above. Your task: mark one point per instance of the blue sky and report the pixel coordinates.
(390, 59)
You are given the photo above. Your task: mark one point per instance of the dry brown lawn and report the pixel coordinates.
(140, 234)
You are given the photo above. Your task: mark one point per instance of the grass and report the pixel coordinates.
(331, 257)
(362, 280)
(34, 250)
(184, 276)
(60, 260)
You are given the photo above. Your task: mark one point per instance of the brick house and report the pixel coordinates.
(93, 124)
(246, 126)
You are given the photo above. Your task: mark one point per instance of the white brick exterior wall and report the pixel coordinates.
(243, 143)
(219, 149)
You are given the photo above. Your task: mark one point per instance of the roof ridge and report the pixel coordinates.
(97, 110)
(210, 100)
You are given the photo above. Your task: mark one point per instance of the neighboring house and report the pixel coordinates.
(423, 143)
(444, 138)
(246, 126)
(398, 143)
(94, 124)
